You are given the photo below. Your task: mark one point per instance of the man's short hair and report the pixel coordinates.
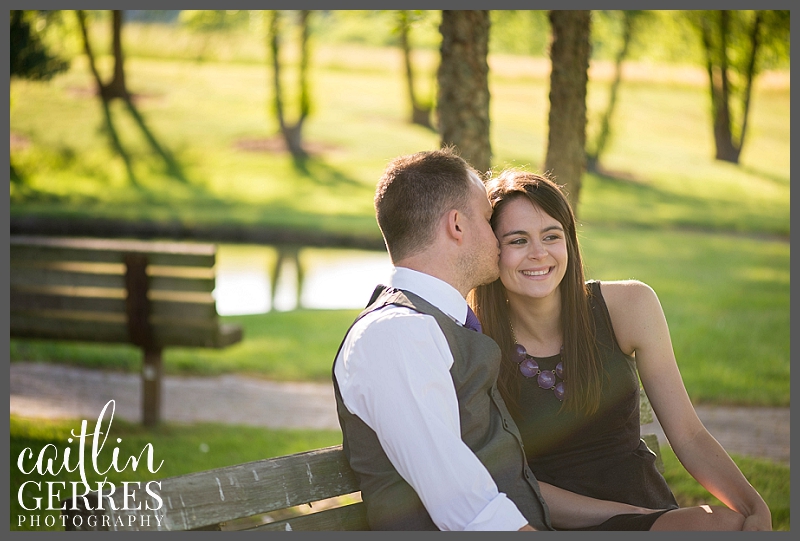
(413, 193)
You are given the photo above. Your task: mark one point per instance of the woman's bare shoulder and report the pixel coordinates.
(625, 293)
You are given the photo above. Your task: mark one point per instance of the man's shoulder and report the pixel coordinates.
(390, 319)
(390, 334)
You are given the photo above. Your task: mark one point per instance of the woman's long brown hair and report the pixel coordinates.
(580, 354)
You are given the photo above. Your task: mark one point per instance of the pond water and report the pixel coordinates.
(333, 279)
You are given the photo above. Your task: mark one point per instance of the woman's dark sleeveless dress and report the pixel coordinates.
(601, 455)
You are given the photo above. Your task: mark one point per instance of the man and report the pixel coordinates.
(424, 426)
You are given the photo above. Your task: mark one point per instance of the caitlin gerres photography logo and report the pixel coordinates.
(36, 495)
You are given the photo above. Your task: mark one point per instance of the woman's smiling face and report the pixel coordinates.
(533, 249)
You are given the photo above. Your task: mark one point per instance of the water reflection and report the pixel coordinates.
(333, 279)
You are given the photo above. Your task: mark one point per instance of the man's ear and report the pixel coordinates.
(455, 222)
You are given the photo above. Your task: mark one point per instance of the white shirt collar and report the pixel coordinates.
(437, 292)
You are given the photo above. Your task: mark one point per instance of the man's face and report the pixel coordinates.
(480, 260)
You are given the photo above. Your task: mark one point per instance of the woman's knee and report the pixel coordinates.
(704, 517)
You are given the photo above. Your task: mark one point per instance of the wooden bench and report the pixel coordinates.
(259, 495)
(149, 294)
(314, 490)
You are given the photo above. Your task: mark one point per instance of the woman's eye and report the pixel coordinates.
(517, 241)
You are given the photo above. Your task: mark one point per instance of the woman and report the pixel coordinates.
(571, 353)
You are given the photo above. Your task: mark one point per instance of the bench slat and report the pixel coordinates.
(34, 326)
(39, 277)
(652, 442)
(96, 328)
(204, 499)
(346, 518)
(42, 253)
(26, 301)
(27, 277)
(23, 301)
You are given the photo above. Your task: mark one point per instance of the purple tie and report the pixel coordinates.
(472, 321)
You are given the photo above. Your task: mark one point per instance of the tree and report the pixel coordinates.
(30, 59)
(116, 87)
(463, 78)
(420, 112)
(291, 132)
(732, 41)
(597, 146)
(569, 56)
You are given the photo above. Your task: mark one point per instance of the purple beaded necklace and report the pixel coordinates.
(545, 378)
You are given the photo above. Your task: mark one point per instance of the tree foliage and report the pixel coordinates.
(214, 20)
(30, 58)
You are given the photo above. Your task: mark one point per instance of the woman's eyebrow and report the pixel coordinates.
(517, 232)
(523, 232)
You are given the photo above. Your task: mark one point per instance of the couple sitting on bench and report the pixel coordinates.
(524, 416)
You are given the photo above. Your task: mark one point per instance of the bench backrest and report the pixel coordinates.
(242, 497)
(101, 290)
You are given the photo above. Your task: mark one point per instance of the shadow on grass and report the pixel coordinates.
(689, 212)
(116, 144)
(778, 180)
(643, 191)
(173, 168)
(323, 174)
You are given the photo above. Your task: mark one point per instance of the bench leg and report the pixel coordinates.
(151, 387)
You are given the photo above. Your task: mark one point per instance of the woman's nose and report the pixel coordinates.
(537, 250)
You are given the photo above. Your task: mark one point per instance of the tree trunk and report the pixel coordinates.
(569, 55)
(750, 75)
(463, 100)
(117, 88)
(420, 115)
(717, 69)
(291, 132)
(87, 47)
(604, 134)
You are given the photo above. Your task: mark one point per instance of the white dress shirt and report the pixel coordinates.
(393, 374)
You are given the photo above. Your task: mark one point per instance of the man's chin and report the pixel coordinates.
(490, 277)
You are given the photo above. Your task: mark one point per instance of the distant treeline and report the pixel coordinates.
(662, 35)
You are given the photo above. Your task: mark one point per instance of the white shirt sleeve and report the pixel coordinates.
(393, 373)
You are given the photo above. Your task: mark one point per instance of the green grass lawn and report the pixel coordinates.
(213, 119)
(198, 447)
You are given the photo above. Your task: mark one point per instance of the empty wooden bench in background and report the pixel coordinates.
(149, 294)
(314, 490)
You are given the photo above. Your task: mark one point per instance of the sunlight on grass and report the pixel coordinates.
(661, 171)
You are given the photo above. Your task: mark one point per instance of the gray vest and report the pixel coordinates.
(486, 428)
